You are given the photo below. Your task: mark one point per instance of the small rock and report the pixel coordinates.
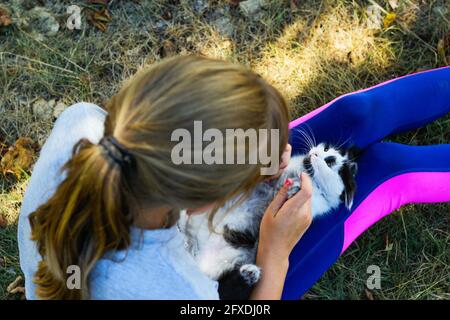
(200, 6)
(224, 26)
(59, 108)
(374, 19)
(393, 4)
(251, 7)
(161, 24)
(43, 22)
(43, 109)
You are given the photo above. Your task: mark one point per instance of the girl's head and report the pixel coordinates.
(93, 208)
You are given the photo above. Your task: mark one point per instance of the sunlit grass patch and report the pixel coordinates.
(324, 57)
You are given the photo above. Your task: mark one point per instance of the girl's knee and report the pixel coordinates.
(356, 108)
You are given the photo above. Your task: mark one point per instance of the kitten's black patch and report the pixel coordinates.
(308, 166)
(348, 173)
(233, 287)
(353, 153)
(326, 146)
(239, 239)
(330, 161)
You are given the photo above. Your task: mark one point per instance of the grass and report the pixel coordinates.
(312, 54)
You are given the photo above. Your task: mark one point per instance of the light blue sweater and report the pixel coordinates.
(156, 266)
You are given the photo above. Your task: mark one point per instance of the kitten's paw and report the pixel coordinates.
(251, 273)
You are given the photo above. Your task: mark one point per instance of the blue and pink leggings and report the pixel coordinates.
(390, 174)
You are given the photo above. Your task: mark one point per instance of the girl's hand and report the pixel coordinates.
(285, 222)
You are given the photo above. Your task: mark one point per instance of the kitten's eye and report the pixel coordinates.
(326, 148)
(330, 161)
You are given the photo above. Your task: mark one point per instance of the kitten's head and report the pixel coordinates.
(333, 171)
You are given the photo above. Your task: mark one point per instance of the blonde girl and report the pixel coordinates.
(104, 197)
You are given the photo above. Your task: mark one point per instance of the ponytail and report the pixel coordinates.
(87, 216)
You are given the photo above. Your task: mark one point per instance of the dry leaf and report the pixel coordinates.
(98, 14)
(15, 286)
(5, 18)
(17, 290)
(389, 19)
(19, 157)
(3, 221)
(369, 294)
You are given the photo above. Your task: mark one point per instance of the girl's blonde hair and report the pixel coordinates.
(92, 210)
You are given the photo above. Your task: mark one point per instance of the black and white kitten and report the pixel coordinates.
(228, 254)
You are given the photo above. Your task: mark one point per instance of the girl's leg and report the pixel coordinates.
(390, 175)
(370, 115)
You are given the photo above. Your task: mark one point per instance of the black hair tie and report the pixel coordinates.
(115, 150)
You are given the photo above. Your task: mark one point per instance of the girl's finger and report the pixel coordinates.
(305, 192)
(280, 198)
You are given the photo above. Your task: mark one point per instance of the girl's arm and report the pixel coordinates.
(282, 226)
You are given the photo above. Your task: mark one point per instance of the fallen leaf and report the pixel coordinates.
(5, 18)
(98, 14)
(369, 294)
(19, 157)
(3, 221)
(15, 286)
(389, 19)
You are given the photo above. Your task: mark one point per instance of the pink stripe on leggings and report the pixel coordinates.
(414, 187)
(308, 116)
